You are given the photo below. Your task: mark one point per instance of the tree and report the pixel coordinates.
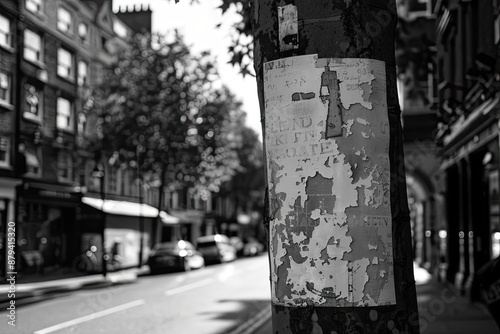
(160, 111)
(219, 122)
(343, 29)
(248, 185)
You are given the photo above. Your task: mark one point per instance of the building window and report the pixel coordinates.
(32, 162)
(5, 33)
(4, 151)
(32, 46)
(35, 6)
(4, 88)
(64, 114)
(33, 103)
(64, 166)
(65, 66)
(83, 32)
(417, 8)
(82, 73)
(64, 20)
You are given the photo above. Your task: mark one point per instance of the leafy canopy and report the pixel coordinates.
(164, 110)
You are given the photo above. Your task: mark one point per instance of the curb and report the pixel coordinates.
(27, 290)
(254, 323)
(74, 282)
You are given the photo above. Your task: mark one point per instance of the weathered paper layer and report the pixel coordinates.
(327, 147)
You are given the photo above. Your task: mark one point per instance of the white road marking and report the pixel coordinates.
(91, 316)
(188, 287)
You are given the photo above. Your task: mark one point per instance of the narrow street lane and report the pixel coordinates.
(212, 300)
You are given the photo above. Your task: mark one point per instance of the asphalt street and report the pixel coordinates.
(212, 300)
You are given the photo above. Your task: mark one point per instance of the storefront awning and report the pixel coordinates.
(463, 129)
(123, 208)
(467, 135)
(168, 219)
(50, 194)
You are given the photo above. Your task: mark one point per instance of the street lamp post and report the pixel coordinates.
(138, 151)
(141, 223)
(98, 173)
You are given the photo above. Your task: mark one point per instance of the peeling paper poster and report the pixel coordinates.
(327, 147)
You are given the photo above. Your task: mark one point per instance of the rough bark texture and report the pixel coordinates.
(348, 29)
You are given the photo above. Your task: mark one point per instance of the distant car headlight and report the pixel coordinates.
(183, 253)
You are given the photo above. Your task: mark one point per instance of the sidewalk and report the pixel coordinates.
(26, 290)
(441, 310)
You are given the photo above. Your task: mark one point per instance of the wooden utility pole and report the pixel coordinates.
(341, 250)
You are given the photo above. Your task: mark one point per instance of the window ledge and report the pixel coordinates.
(37, 63)
(8, 48)
(6, 105)
(68, 33)
(68, 79)
(66, 130)
(29, 116)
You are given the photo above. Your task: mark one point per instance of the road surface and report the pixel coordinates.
(212, 300)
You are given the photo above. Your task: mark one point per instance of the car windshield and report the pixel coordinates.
(206, 244)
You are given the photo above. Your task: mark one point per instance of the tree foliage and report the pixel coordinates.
(241, 48)
(249, 184)
(164, 109)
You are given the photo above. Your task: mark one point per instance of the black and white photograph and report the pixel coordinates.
(249, 166)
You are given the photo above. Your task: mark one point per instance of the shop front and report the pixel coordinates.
(471, 167)
(7, 214)
(124, 228)
(47, 230)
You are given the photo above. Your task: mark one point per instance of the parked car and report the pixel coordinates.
(216, 248)
(175, 255)
(252, 247)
